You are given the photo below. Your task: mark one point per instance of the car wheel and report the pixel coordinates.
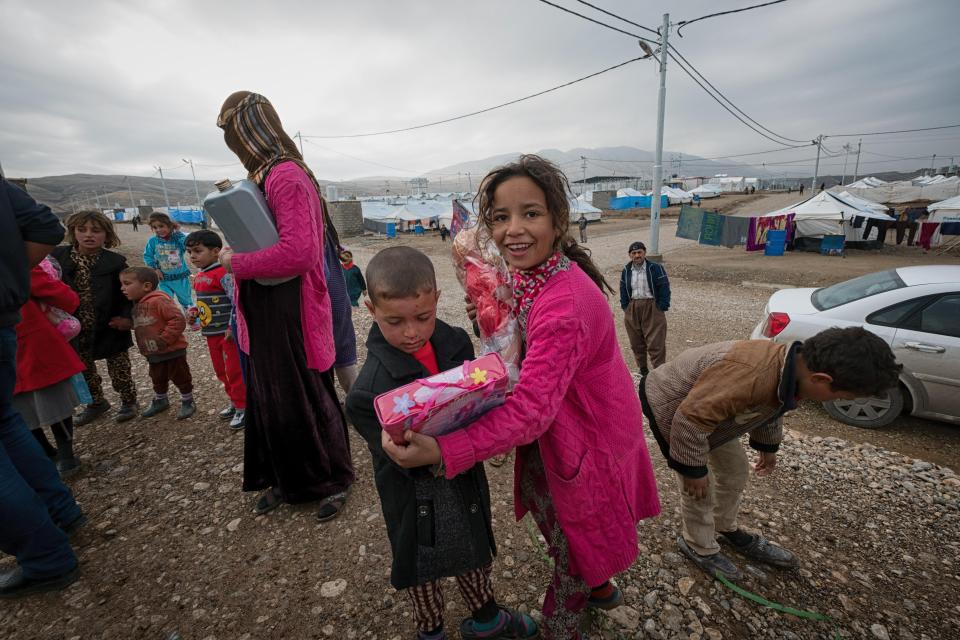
(869, 413)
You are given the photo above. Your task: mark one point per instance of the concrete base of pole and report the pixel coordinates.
(655, 257)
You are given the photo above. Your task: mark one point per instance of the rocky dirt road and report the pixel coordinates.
(172, 547)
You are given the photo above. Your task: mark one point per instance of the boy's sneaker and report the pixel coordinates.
(157, 405)
(755, 546)
(13, 584)
(712, 564)
(510, 624)
(227, 413)
(187, 409)
(239, 419)
(126, 412)
(91, 412)
(610, 600)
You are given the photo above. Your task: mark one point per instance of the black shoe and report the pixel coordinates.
(68, 467)
(227, 413)
(759, 548)
(187, 409)
(126, 412)
(712, 565)
(74, 526)
(91, 412)
(157, 405)
(269, 500)
(13, 584)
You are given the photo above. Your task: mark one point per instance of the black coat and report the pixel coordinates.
(108, 301)
(437, 527)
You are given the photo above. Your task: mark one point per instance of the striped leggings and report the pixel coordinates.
(427, 598)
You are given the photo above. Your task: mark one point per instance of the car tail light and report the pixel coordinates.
(775, 324)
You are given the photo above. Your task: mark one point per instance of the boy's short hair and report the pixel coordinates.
(858, 360)
(159, 216)
(399, 272)
(204, 238)
(97, 218)
(142, 274)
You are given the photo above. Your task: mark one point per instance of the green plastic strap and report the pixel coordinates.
(799, 613)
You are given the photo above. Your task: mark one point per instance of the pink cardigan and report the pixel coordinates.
(576, 399)
(296, 207)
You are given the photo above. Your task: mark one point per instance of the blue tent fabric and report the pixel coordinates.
(186, 215)
(636, 202)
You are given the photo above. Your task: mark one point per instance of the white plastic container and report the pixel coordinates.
(242, 214)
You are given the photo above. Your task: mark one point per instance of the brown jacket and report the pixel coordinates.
(712, 394)
(158, 324)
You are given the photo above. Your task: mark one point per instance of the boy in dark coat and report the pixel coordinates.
(437, 527)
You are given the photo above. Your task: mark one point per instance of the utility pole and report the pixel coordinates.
(470, 181)
(97, 196)
(583, 183)
(654, 249)
(846, 154)
(166, 198)
(933, 162)
(300, 139)
(856, 170)
(130, 191)
(816, 168)
(196, 190)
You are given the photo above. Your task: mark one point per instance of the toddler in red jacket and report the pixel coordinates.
(158, 324)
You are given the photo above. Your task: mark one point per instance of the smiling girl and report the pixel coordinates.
(582, 469)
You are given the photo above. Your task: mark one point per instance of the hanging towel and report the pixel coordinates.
(691, 219)
(927, 229)
(712, 229)
(735, 231)
(858, 221)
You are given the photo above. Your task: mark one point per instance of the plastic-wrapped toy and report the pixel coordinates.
(66, 324)
(483, 273)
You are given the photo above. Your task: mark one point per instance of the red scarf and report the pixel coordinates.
(528, 283)
(347, 265)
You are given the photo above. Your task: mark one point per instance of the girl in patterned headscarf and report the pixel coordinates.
(296, 447)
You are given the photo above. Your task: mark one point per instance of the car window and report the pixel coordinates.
(942, 317)
(894, 315)
(856, 289)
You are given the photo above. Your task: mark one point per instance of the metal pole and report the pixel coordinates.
(846, 154)
(933, 162)
(196, 190)
(654, 249)
(856, 170)
(130, 191)
(816, 168)
(584, 182)
(97, 196)
(470, 180)
(300, 139)
(166, 198)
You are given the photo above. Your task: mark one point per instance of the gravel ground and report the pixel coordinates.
(173, 549)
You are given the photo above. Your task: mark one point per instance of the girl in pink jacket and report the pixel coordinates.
(582, 469)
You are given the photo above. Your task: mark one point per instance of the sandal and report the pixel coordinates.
(331, 505)
(500, 460)
(269, 500)
(514, 625)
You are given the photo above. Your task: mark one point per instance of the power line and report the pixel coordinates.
(728, 109)
(684, 23)
(730, 102)
(602, 24)
(613, 15)
(488, 109)
(883, 133)
(379, 164)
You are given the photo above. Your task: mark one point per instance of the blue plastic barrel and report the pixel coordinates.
(391, 229)
(776, 242)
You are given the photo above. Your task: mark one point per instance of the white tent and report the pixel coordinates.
(706, 191)
(866, 183)
(922, 188)
(862, 202)
(375, 210)
(944, 211)
(629, 193)
(580, 207)
(729, 183)
(424, 210)
(827, 214)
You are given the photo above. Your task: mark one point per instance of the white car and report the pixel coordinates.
(915, 309)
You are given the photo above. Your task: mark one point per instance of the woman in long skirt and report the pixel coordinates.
(296, 447)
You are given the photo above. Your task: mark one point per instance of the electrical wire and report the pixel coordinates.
(883, 133)
(728, 109)
(613, 15)
(476, 113)
(602, 24)
(379, 164)
(684, 23)
(730, 102)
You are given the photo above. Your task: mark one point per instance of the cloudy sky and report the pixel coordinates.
(119, 87)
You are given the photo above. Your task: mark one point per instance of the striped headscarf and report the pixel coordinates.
(252, 130)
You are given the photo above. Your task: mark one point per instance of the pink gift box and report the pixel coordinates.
(444, 402)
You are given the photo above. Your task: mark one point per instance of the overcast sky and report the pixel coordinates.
(118, 87)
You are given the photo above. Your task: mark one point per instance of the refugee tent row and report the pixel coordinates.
(828, 214)
(934, 188)
(946, 214)
(406, 214)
